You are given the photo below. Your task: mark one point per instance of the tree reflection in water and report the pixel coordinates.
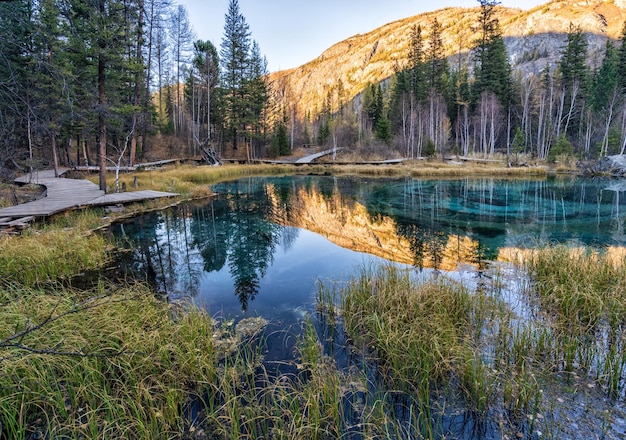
(238, 233)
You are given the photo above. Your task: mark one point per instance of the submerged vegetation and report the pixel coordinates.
(445, 345)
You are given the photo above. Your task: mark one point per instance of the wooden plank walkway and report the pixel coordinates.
(64, 194)
(371, 162)
(143, 165)
(128, 197)
(311, 157)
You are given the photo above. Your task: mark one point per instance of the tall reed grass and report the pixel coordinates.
(583, 295)
(431, 338)
(115, 362)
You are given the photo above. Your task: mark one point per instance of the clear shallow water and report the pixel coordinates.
(260, 245)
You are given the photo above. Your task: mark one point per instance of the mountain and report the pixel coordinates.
(534, 39)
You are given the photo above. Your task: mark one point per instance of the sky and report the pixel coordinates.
(293, 32)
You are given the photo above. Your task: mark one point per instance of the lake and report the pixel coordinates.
(260, 246)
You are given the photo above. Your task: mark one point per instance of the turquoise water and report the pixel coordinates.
(260, 246)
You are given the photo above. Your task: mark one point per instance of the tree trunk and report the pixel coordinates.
(623, 149)
(572, 105)
(133, 143)
(30, 147)
(55, 154)
(83, 145)
(102, 129)
(608, 121)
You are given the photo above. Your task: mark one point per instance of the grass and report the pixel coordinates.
(192, 182)
(430, 169)
(583, 292)
(9, 195)
(582, 289)
(109, 363)
(416, 329)
(433, 338)
(426, 335)
(49, 255)
(115, 362)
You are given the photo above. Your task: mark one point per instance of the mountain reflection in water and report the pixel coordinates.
(279, 235)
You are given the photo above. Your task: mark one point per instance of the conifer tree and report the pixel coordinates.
(102, 44)
(621, 67)
(493, 70)
(202, 96)
(416, 63)
(49, 72)
(182, 36)
(15, 115)
(606, 79)
(257, 92)
(574, 76)
(573, 60)
(235, 59)
(437, 84)
(606, 93)
(280, 143)
(436, 59)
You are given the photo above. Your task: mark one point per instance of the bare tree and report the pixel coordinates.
(527, 91)
(181, 35)
(490, 118)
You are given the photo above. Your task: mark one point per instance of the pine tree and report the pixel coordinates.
(400, 103)
(182, 36)
(257, 92)
(436, 60)
(606, 80)
(202, 96)
(493, 70)
(416, 64)
(235, 59)
(280, 144)
(574, 76)
(606, 92)
(573, 60)
(621, 70)
(49, 71)
(103, 37)
(383, 129)
(16, 30)
(373, 103)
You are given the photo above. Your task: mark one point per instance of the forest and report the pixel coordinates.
(115, 82)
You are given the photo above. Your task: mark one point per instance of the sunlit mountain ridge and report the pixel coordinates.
(534, 39)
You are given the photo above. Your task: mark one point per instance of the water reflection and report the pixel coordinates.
(348, 223)
(177, 247)
(232, 243)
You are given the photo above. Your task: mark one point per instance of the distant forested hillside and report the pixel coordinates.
(114, 82)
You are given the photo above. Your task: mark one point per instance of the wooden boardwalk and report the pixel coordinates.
(311, 157)
(65, 194)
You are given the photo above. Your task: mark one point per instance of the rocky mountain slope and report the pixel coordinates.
(533, 38)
